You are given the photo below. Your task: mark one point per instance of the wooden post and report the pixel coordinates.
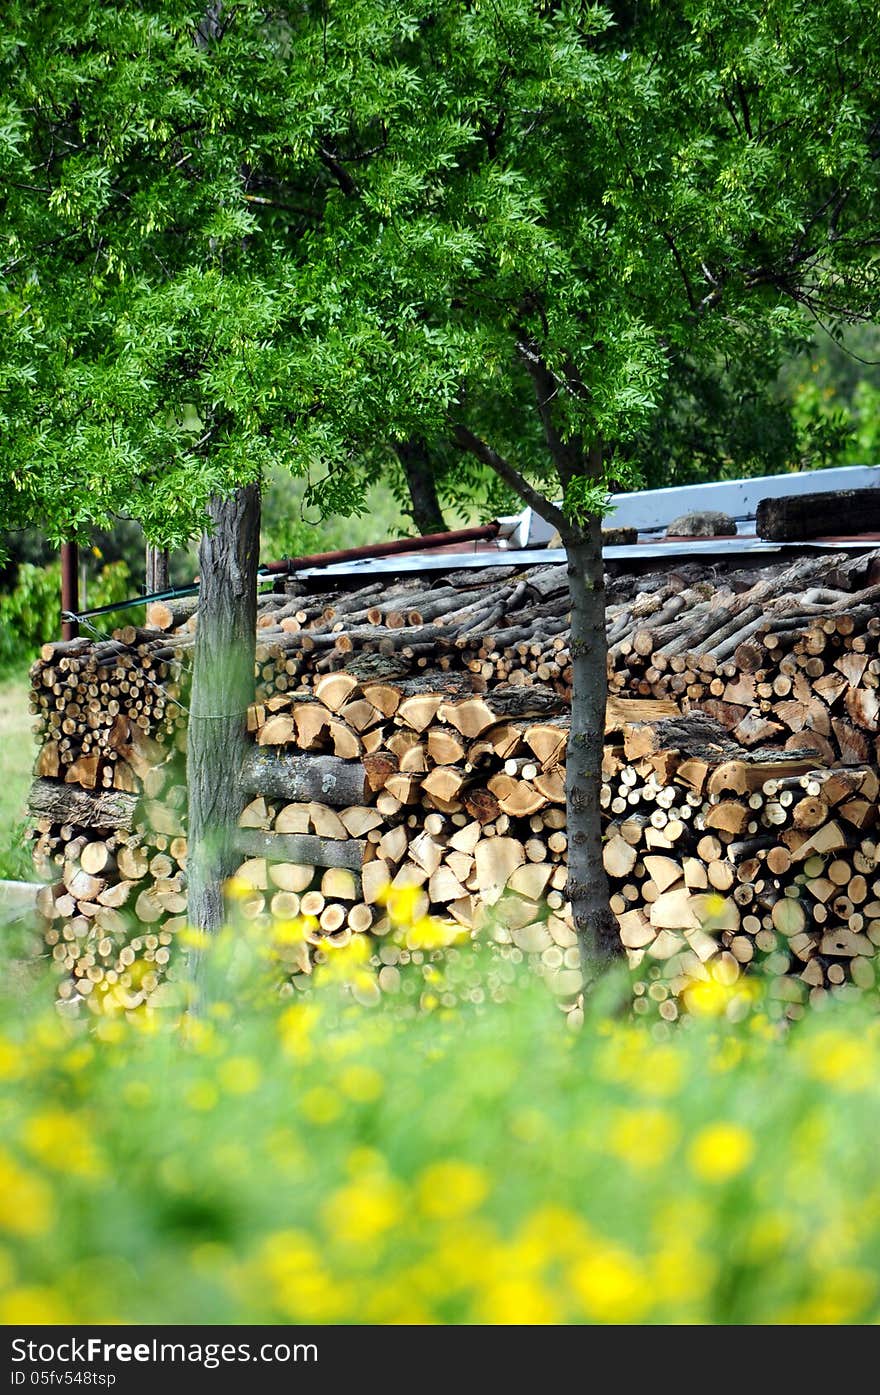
(157, 570)
(69, 587)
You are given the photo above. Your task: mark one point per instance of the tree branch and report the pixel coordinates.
(340, 173)
(564, 454)
(468, 441)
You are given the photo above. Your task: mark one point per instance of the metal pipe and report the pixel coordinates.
(318, 559)
(69, 589)
(386, 549)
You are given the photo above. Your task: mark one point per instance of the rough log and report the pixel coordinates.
(298, 777)
(84, 808)
(302, 848)
(818, 515)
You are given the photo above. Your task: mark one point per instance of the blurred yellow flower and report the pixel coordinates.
(11, 1060)
(60, 1140)
(401, 903)
(451, 1188)
(839, 1060)
(721, 1151)
(681, 1273)
(517, 1300)
(238, 889)
(361, 1083)
(611, 1285)
(643, 1138)
(34, 1307)
(296, 1026)
(239, 1075)
(362, 1210)
(430, 933)
(843, 1297)
(26, 1204)
(302, 1287)
(320, 1105)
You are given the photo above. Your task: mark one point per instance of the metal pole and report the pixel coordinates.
(385, 549)
(69, 588)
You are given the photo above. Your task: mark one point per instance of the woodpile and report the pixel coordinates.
(108, 812)
(414, 737)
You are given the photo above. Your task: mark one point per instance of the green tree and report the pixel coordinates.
(165, 168)
(588, 221)
(253, 233)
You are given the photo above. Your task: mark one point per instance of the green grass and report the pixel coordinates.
(307, 1160)
(16, 766)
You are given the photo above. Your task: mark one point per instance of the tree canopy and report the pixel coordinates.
(562, 238)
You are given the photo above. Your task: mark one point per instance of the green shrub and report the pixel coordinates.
(30, 614)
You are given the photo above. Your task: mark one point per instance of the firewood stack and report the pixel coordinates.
(108, 811)
(415, 736)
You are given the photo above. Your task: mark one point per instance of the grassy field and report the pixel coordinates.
(16, 764)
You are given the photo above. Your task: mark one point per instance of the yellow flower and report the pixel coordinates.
(60, 1140)
(465, 1255)
(554, 1232)
(296, 1026)
(839, 1060)
(26, 1205)
(611, 1285)
(430, 933)
(289, 932)
(302, 1287)
(36, 1307)
(362, 1210)
(708, 997)
(11, 1060)
(401, 903)
(682, 1273)
(320, 1106)
(721, 1151)
(447, 1189)
(519, 1300)
(191, 938)
(238, 888)
(843, 1297)
(361, 1083)
(240, 1075)
(644, 1138)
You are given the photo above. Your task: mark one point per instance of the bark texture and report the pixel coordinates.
(326, 779)
(588, 888)
(302, 848)
(157, 570)
(87, 809)
(425, 505)
(818, 515)
(222, 688)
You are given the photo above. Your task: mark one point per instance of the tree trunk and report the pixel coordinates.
(222, 688)
(588, 889)
(157, 572)
(426, 512)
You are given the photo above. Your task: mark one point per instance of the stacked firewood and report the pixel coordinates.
(115, 888)
(104, 711)
(108, 812)
(717, 857)
(792, 661)
(414, 737)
